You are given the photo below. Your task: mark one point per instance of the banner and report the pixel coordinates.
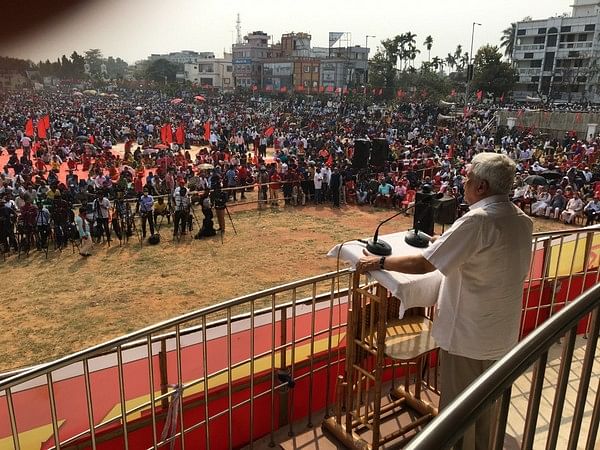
(334, 36)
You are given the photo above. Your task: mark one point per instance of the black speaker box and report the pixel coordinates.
(379, 153)
(423, 218)
(362, 149)
(444, 210)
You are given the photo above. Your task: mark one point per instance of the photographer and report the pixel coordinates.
(208, 228)
(122, 217)
(219, 199)
(101, 213)
(182, 209)
(42, 226)
(8, 217)
(145, 208)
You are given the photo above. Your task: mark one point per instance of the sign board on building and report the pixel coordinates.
(334, 36)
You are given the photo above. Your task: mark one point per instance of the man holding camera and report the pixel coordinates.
(145, 207)
(182, 209)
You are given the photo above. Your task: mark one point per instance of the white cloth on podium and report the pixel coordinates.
(412, 290)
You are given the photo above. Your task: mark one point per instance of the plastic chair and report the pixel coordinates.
(409, 199)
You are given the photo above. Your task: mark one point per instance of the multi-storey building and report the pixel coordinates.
(559, 58)
(249, 56)
(182, 57)
(213, 72)
(293, 63)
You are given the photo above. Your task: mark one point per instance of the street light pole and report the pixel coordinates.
(367, 48)
(470, 67)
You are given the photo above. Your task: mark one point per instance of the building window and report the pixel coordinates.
(535, 79)
(528, 56)
(539, 39)
(573, 54)
(566, 29)
(541, 31)
(521, 32)
(590, 27)
(229, 68)
(536, 64)
(551, 41)
(582, 37)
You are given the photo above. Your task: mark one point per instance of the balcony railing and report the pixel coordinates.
(498, 382)
(264, 360)
(529, 47)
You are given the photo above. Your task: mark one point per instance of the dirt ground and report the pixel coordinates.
(55, 306)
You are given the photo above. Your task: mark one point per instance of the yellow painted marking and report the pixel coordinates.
(260, 365)
(30, 439)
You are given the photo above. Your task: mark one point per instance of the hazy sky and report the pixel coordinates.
(132, 29)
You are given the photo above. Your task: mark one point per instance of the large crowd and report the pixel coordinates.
(83, 167)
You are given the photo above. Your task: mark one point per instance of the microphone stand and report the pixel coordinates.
(379, 247)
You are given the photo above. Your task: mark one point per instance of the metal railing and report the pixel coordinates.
(246, 355)
(167, 349)
(497, 385)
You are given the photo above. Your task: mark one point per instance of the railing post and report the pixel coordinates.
(164, 377)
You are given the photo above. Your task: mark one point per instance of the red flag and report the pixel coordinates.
(269, 131)
(207, 131)
(168, 134)
(321, 89)
(41, 129)
(453, 93)
(283, 89)
(46, 120)
(29, 128)
(180, 134)
(329, 89)
(163, 134)
(479, 95)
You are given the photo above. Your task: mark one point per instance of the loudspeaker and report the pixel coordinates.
(423, 218)
(360, 158)
(380, 152)
(444, 210)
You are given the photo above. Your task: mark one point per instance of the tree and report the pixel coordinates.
(450, 62)
(78, 65)
(161, 70)
(492, 75)
(93, 57)
(436, 62)
(428, 44)
(507, 41)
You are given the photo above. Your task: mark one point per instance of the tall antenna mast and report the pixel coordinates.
(238, 28)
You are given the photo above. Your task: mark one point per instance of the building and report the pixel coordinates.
(558, 58)
(293, 63)
(287, 74)
(182, 57)
(213, 72)
(248, 57)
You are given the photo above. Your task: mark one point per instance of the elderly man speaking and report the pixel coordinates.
(484, 258)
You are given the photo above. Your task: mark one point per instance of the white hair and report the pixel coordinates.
(496, 169)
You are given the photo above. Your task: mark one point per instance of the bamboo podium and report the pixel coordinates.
(374, 334)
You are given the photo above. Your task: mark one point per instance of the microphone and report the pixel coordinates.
(415, 237)
(379, 247)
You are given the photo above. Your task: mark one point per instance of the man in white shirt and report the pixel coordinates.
(485, 258)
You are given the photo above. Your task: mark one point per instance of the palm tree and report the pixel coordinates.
(435, 62)
(428, 44)
(458, 54)
(508, 40)
(451, 62)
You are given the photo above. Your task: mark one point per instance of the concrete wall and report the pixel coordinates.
(553, 123)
